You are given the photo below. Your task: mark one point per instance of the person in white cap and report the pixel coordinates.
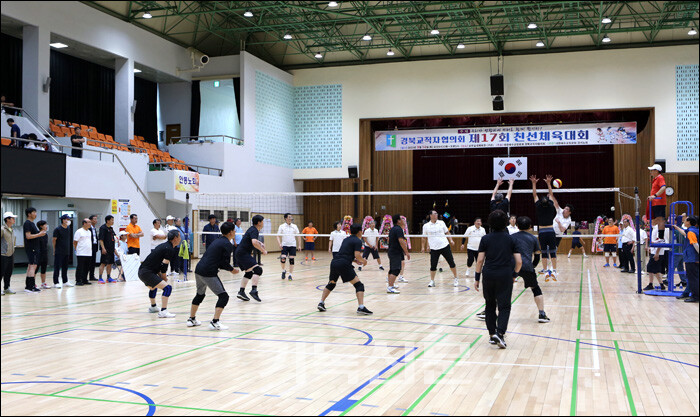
(121, 249)
(7, 244)
(170, 225)
(658, 194)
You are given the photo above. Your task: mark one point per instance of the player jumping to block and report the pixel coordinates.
(546, 212)
(289, 244)
(152, 272)
(245, 260)
(439, 246)
(498, 202)
(341, 267)
(398, 251)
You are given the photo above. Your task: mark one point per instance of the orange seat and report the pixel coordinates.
(65, 130)
(109, 138)
(101, 137)
(6, 142)
(92, 135)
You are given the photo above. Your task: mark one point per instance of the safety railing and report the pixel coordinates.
(183, 140)
(24, 113)
(200, 169)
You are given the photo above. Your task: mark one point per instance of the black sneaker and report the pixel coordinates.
(241, 295)
(254, 294)
(691, 300)
(35, 289)
(289, 278)
(665, 282)
(493, 342)
(87, 283)
(499, 341)
(632, 271)
(648, 287)
(543, 318)
(321, 306)
(363, 311)
(284, 273)
(359, 268)
(79, 284)
(624, 270)
(481, 315)
(381, 268)
(662, 288)
(682, 296)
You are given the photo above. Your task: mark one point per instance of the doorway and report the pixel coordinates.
(171, 131)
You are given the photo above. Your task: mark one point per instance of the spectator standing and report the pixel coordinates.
(211, 227)
(170, 225)
(690, 257)
(629, 239)
(62, 251)
(135, 234)
(15, 132)
(106, 239)
(77, 140)
(95, 246)
(31, 246)
(43, 247)
(7, 246)
(309, 241)
(657, 255)
(158, 236)
(82, 242)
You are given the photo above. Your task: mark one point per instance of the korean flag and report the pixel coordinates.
(510, 168)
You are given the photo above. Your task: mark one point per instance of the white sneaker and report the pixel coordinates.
(466, 273)
(456, 283)
(217, 326)
(59, 285)
(45, 286)
(68, 284)
(568, 256)
(9, 291)
(165, 314)
(193, 323)
(392, 290)
(585, 256)
(153, 309)
(431, 284)
(386, 279)
(402, 279)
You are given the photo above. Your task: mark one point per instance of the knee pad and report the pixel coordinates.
(258, 271)
(330, 286)
(394, 272)
(359, 286)
(167, 290)
(606, 253)
(248, 275)
(536, 290)
(291, 261)
(152, 293)
(223, 300)
(197, 300)
(283, 260)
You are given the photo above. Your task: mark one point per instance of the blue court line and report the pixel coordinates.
(43, 376)
(304, 398)
(149, 385)
(210, 390)
(400, 409)
(345, 402)
(71, 379)
(369, 405)
(34, 337)
(180, 387)
(18, 374)
(120, 383)
(242, 393)
(439, 414)
(271, 395)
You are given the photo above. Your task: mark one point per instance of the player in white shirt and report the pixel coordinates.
(513, 227)
(657, 256)
(369, 238)
(336, 239)
(629, 239)
(289, 244)
(474, 233)
(439, 246)
(158, 235)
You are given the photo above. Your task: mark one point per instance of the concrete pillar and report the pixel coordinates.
(36, 54)
(123, 100)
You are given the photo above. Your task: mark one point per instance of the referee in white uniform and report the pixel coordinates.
(289, 244)
(437, 241)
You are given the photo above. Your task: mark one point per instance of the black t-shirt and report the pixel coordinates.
(500, 205)
(217, 256)
(76, 153)
(499, 249)
(527, 244)
(63, 240)
(350, 245)
(14, 131)
(30, 244)
(43, 247)
(546, 212)
(395, 234)
(246, 245)
(106, 235)
(155, 258)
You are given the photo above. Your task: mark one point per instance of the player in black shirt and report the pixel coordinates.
(152, 272)
(498, 202)
(546, 210)
(43, 248)
(245, 260)
(31, 246)
(106, 238)
(217, 256)
(341, 266)
(398, 251)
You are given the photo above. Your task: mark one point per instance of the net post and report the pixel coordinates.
(186, 221)
(638, 237)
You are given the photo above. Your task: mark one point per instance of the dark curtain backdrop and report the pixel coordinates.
(146, 117)
(237, 92)
(194, 112)
(11, 69)
(82, 92)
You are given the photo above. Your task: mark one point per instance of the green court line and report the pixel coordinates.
(56, 330)
(166, 358)
(656, 351)
(574, 388)
(633, 410)
(133, 403)
(605, 302)
(430, 388)
(361, 400)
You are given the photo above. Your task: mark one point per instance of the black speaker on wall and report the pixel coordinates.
(498, 103)
(352, 171)
(497, 85)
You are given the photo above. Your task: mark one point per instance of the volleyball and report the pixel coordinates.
(556, 183)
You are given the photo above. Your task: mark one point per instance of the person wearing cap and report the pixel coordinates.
(7, 245)
(121, 249)
(106, 239)
(658, 194)
(170, 225)
(61, 252)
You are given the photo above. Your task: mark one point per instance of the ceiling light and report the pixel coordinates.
(332, 4)
(318, 55)
(287, 36)
(606, 39)
(460, 46)
(390, 52)
(434, 32)
(692, 32)
(58, 45)
(248, 13)
(367, 37)
(136, 70)
(147, 15)
(606, 20)
(532, 25)
(539, 44)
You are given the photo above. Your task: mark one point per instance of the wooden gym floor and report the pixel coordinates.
(608, 351)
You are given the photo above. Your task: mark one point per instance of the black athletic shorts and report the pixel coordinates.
(43, 263)
(529, 277)
(149, 278)
(395, 262)
(472, 255)
(656, 267)
(548, 242)
(245, 261)
(309, 246)
(369, 251)
(575, 244)
(446, 253)
(658, 211)
(610, 247)
(32, 257)
(131, 250)
(289, 251)
(342, 269)
(107, 258)
(558, 241)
